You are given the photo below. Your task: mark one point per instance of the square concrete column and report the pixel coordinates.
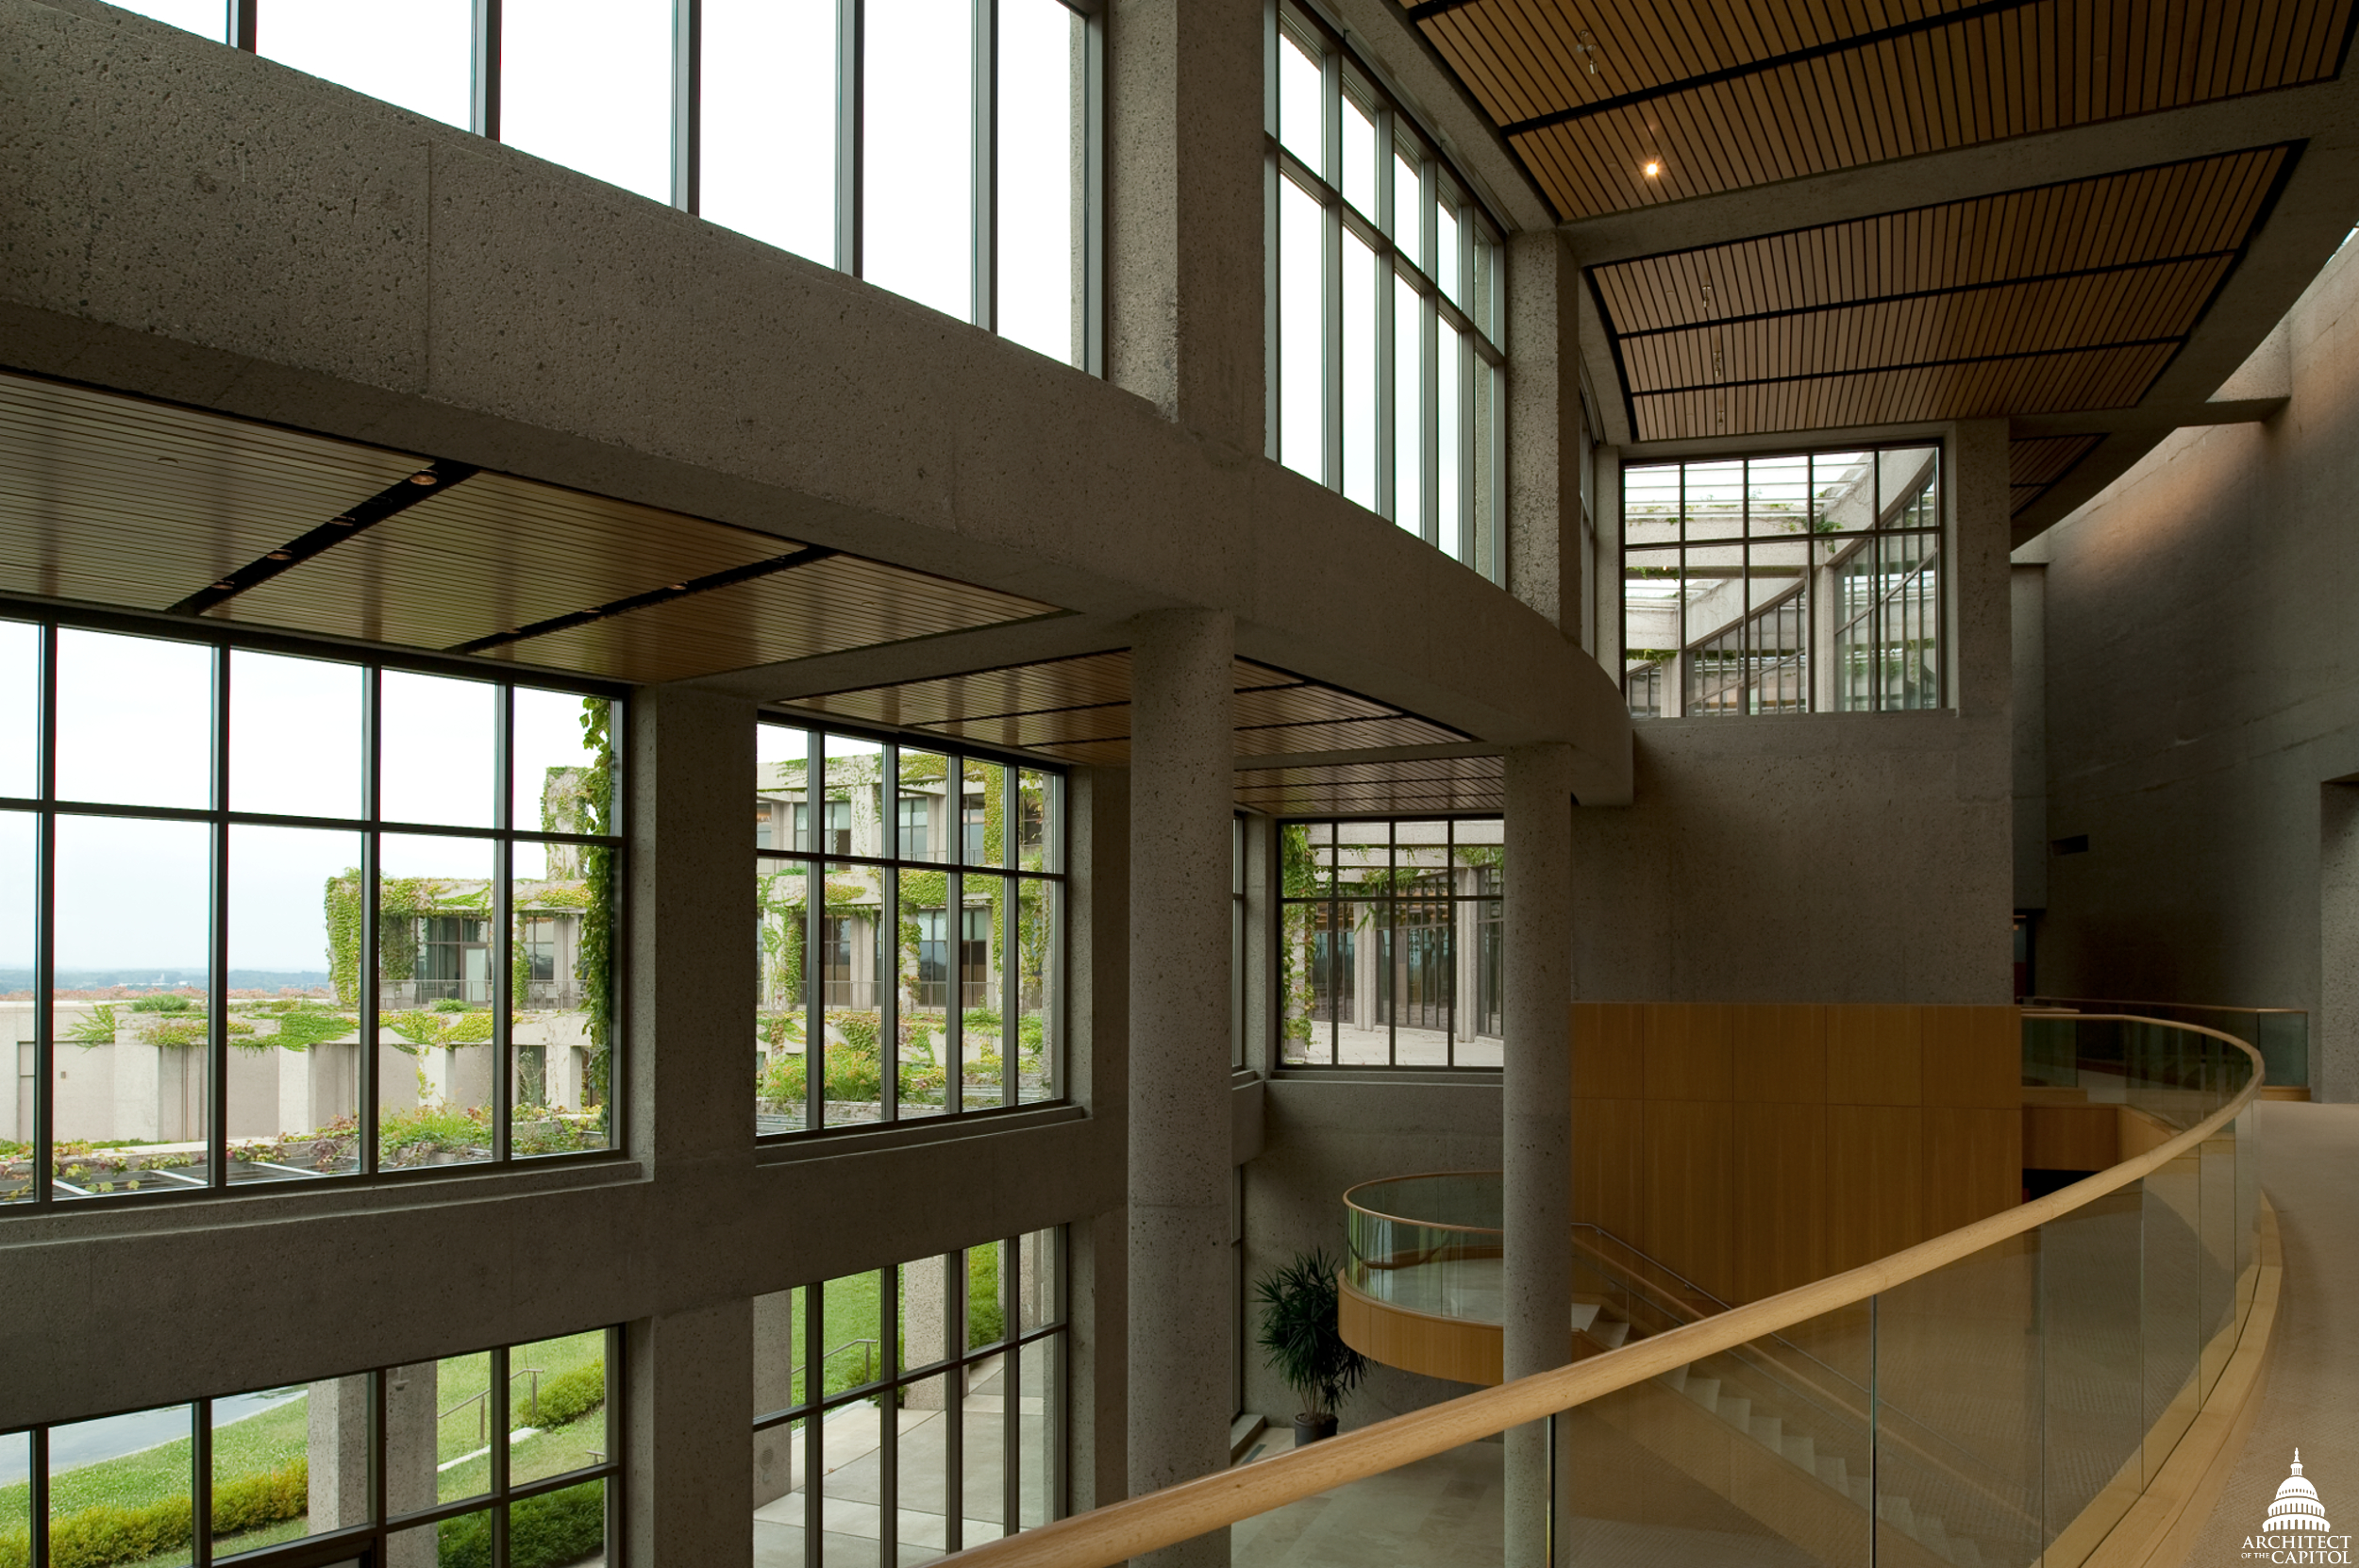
(411, 1451)
(1536, 1111)
(1182, 740)
(1183, 195)
(1544, 429)
(337, 1414)
(689, 1491)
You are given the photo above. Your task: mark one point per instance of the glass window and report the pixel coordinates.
(917, 157)
(418, 54)
(1389, 943)
(769, 126)
(966, 1351)
(511, 1443)
(1794, 583)
(20, 709)
(932, 981)
(208, 18)
(1042, 198)
(494, 944)
(588, 84)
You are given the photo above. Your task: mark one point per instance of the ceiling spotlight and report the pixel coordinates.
(344, 521)
(425, 479)
(1654, 167)
(226, 587)
(282, 554)
(680, 587)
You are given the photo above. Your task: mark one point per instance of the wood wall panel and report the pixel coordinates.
(1874, 1055)
(1780, 1198)
(2071, 1137)
(1779, 1053)
(1609, 1053)
(1688, 1053)
(1458, 1349)
(1875, 1182)
(1688, 1195)
(1973, 1163)
(1972, 1057)
(1609, 1143)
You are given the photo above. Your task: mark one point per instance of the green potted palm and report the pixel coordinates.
(1302, 1342)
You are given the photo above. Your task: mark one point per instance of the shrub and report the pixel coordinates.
(106, 1535)
(448, 1004)
(299, 1030)
(163, 1001)
(542, 1532)
(567, 1396)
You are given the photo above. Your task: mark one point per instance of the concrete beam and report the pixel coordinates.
(1062, 635)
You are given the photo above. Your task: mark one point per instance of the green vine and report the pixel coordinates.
(593, 965)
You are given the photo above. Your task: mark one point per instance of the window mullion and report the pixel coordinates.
(687, 21)
(44, 949)
(850, 164)
(217, 982)
(372, 864)
(986, 145)
(483, 109)
(1332, 267)
(1388, 501)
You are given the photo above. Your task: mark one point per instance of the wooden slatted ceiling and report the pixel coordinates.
(1079, 709)
(1724, 97)
(2036, 464)
(124, 502)
(2037, 301)
(120, 501)
(1440, 784)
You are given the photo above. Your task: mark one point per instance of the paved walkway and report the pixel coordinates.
(2310, 1169)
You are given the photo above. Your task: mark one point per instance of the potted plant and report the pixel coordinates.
(1303, 1345)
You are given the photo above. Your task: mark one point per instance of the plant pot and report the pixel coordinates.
(1310, 1428)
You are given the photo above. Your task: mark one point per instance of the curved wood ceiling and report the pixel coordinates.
(1721, 97)
(2042, 300)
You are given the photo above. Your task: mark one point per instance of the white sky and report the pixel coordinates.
(588, 84)
(134, 728)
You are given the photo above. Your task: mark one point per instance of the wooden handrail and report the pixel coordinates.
(1403, 1219)
(1183, 1511)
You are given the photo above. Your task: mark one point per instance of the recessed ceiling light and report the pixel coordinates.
(1653, 168)
(424, 479)
(282, 554)
(680, 587)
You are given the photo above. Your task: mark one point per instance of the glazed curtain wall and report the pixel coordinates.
(1385, 289)
(911, 921)
(1389, 938)
(940, 148)
(1804, 582)
(927, 1398)
(505, 1458)
(269, 915)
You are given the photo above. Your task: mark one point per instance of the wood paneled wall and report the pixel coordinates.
(1756, 1147)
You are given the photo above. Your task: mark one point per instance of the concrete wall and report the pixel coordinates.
(1826, 856)
(2202, 685)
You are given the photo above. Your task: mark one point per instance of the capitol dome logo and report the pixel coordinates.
(2296, 1530)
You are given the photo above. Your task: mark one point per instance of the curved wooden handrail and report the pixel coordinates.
(1403, 1219)
(1181, 1513)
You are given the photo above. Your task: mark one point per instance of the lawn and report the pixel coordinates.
(850, 1314)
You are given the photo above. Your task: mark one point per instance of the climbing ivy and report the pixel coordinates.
(593, 965)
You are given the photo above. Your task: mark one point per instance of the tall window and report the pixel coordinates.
(1388, 937)
(1806, 582)
(1387, 378)
(276, 918)
(909, 1412)
(940, 148)
(505, 1458)
(855, 933)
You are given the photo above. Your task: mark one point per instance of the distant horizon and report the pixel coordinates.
(165, 977)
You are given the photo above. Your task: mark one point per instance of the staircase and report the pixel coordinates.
(1757, 1420)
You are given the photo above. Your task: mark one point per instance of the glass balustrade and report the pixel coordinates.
(2002, 1409)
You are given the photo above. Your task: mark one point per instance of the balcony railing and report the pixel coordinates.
(1996, 1397)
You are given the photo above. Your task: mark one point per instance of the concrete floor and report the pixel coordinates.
(851, 1488)
(2310, 1169)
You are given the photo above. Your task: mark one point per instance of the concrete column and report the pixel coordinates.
(924, 1327)
(1183, 193)
(1544, 429)
(689, 1491)
(1181, 746)
(1097, 1076)
(2335, 1036)
(410, 1430)
(778, 1353)
(1536, 1109)
(337, 1413)
(693, 964)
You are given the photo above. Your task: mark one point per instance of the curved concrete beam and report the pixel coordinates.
(195, 224)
